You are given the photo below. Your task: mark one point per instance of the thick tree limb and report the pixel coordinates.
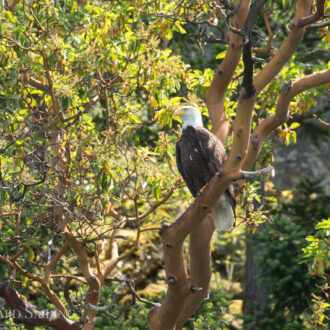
(286, 50)
(180, 286)
(223, 75)
(26, 313)
(245, 106)
(200, 268)
(282, 110)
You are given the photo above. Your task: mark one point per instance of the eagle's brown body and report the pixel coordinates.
(199, 155)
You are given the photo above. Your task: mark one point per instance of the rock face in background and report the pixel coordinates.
(310, 156)
(303, 158)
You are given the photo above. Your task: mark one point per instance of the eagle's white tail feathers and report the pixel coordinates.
(222, 214)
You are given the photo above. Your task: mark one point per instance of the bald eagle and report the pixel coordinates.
(199, 155)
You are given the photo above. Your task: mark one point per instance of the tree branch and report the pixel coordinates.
(245, 106)
(26, 313)
(253, 174)
(180, 286)
(282, 107)
(200, 259)
(318, 25)
(223, 75)
(94, 283)
(315, 17)
(286, 50)
(267, 49)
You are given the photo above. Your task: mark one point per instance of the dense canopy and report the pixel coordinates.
(89, 189)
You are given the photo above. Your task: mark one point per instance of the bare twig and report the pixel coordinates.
(267, 49)
(253, 174)
(320, 120)
(318, 25)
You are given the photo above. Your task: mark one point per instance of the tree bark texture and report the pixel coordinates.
(185, 293)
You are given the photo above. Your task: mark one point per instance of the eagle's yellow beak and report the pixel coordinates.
(178, 112)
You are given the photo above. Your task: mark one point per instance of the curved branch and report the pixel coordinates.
(282, 109)
(245, 106)
(267, 49)
(93, 293)
(315, 17)
(288, 47)
(45, 284)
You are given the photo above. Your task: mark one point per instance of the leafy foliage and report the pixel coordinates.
(317, 257)
(283, 251)
(85, 109)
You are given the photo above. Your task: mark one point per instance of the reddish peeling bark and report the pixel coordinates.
(223, 75)
(185, 293)
(282, 111)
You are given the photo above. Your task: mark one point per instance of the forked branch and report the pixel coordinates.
(185, 293)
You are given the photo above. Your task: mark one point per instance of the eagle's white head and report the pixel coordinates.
(190, 116)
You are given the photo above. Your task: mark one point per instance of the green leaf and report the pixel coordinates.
(221, 55)
(178, 25)
(156, 192)
(31, 255)
(294, 125)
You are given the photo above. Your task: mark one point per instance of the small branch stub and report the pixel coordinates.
(252, 174)
(163, 228)
(286, 87)
(255, 140)
(195, 288)
(171, 280)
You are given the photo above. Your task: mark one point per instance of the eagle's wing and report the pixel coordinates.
(212, 149)
(180, 168)
(216, 157)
